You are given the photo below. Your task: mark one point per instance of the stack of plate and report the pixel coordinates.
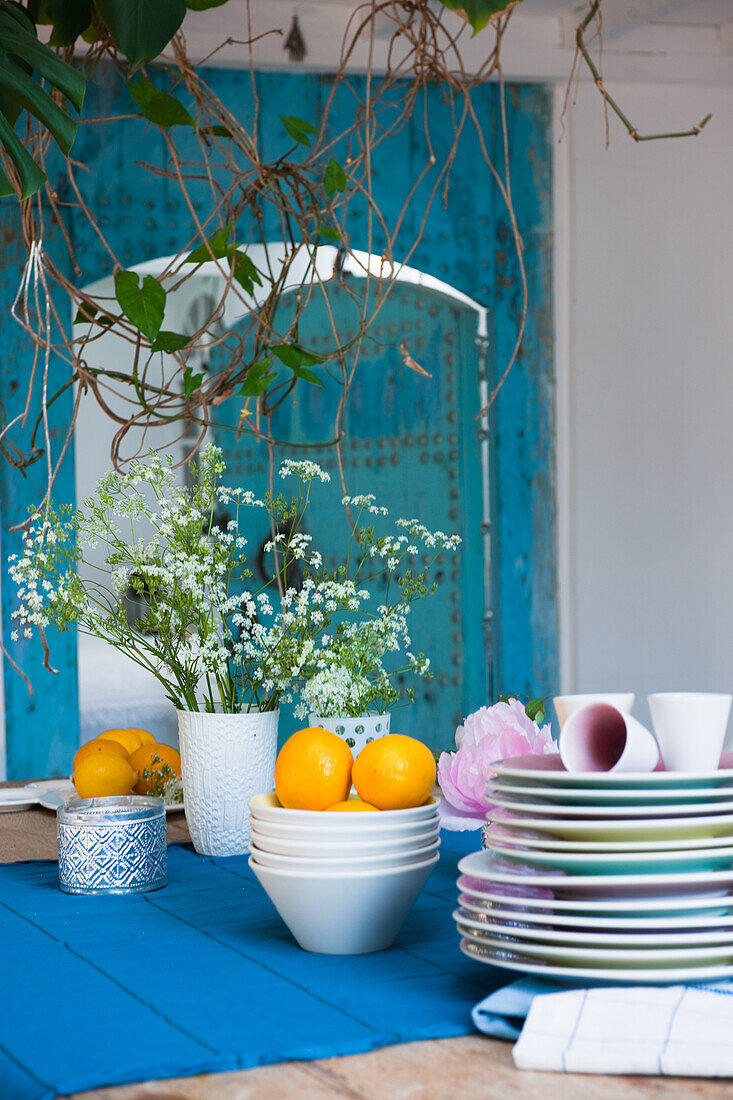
(603, 875)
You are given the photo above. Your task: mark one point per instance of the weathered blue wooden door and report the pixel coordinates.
(412, 440)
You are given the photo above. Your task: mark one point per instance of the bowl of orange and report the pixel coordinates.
(342, 846)
(127, 761)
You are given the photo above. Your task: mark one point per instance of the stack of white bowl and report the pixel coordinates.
(343, 883)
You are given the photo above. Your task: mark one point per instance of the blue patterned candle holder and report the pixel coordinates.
(112, 845)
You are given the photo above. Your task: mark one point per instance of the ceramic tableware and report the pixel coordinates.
(343, 848)
(712, 901)
(348, 863)
(544, 842)
(342, 827)
(619, 829)
(601, 738)
(539, 808)
(588, 796)
(655, 938)
(340, 913)
(549, 770)
(615, 863)
(265, 807)
(17, 798)
(569, 922)
(565, 705)
(513, 961)
(690, 728)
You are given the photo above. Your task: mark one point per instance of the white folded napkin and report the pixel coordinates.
(678, 1031)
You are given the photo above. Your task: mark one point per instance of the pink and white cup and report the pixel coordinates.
(600, 737)
(565, 705)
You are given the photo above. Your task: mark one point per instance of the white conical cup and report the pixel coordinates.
(602, 738)
(690, 728)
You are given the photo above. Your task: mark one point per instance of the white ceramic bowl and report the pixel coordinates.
(344, 913)
(344, 827)
(265, 807)
(347, 863)
(340, 847)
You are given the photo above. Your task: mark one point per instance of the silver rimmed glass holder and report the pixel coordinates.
(112, 845)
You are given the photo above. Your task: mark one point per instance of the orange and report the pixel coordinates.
(127, 738)
(146, 738)
(99, 745)
(355, 805)
(101, 774)
(394, 772)
(153, 758)
(313, 770)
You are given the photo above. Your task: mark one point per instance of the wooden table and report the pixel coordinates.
(470, 1068)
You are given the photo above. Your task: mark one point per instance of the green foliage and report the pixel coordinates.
(245, 272)
(169, 341)
(143, 305)
(191, 382)
(217, 247)
(141, 29)
(334, 178)
(298, 129)
(258, 379)
(70, 18)
(534, 708)
(298, 360)
(479, 12)
(22, 57)
(158, 106)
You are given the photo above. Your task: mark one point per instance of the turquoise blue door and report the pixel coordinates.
(412, 441)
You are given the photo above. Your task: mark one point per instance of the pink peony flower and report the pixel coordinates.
(490, 734)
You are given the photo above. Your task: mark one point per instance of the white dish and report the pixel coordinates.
(590, 796)
(701, 921)
(348, 863)
(711, 902)
(549, 770)
(591, 939)
(349, 828)
(485, 866)
(16, 798)
(614, 863)
(634, 829)
(265, 807)
(341, 848)
(584, 975)
(608, 957)
(546, 843)
(549, 809)
(344, 914)
(54, 792)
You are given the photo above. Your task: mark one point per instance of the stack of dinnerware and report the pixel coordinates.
(603, 876)
(343, 883)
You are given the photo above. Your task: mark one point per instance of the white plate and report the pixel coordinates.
(590, 796)
(545, 843)
(568, 955)
(614, 863)
(16, 798)
(549, 771)
(486, 866)
(652, 922)
(710, 902)
(549, 809)
(634, 829)
(54, 792)
(631, 976)
(466, 924)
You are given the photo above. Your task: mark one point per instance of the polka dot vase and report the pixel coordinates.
(356, 732)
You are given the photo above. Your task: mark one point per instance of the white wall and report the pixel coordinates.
(645, 342)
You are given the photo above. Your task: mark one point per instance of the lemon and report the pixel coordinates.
(146, 738)
(153, 758)
(394, 772)
(102, 774)
(99, 745)
(351, 805)
(313, 770)
(129, 739)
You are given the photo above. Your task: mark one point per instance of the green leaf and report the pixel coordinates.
(328, 232)
(298, 129)
(191, 381)
(170, 341)
(85, 314)
(293, 356)
(70, 82)
(204, 5)
(307, 376)
(245, 272)
(478, 12)
(32, 178)
(158, 106)
(334, 178)
(258, 379)
(144, 306)
(141, 28)
(217, 247)
(70, 18)
(16, 81)
(535, 710)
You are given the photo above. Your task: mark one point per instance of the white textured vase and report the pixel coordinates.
(225, 760)
(356, 732)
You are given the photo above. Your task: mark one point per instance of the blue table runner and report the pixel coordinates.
(203, 976)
